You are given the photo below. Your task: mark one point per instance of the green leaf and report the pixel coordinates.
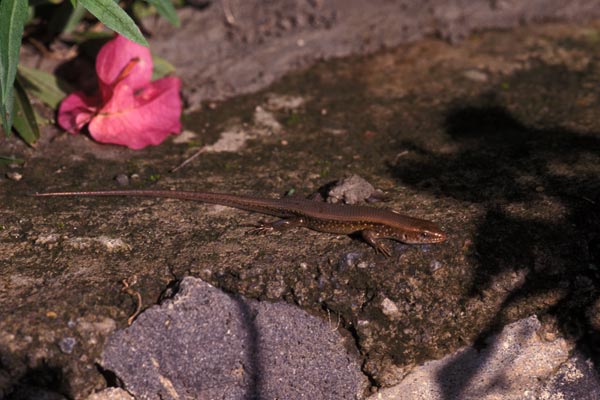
(7, 160)
(74, 3)
(82, 37)
(46, 87)
(6, 109)
(13, 14)
(25, 120)
(74, 19)
(161, 67)
(110, 14)
(166, 9)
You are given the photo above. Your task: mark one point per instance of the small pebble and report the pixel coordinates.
(390, 309)
(475, 75)
(14, 176)
(435, 265)
(67, 344)
(122, 180)
(350, 190)
(350, 259)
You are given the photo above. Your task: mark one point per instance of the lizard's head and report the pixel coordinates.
(417, 231)
(426, 236)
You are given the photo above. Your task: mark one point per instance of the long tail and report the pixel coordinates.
(248, 203)
(184, 195)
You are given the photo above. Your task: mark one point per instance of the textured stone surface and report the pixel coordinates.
(110, 394)
(576, 379)
(469, 135)
(242, 46)
(207, 344)
(512, 366)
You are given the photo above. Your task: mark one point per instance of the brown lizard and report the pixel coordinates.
(373, 223)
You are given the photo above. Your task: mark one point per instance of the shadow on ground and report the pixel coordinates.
(41, 382)
(539, 189)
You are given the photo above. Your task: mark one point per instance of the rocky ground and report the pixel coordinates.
(494, 136)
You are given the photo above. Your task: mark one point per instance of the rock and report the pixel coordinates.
(110, 394)
(511, 366)
(352, 190)
(205, 343)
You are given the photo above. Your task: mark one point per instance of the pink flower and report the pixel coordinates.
(130, 110)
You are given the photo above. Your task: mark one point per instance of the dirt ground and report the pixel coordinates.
(495, 137)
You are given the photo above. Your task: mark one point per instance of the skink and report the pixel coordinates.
(373, 224)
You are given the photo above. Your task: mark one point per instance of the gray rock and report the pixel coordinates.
(206, 344)
(352, 190)
(511, 366)
(575, 379)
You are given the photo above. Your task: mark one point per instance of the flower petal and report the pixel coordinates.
(138, 118)
(76, 110)
(122, 61)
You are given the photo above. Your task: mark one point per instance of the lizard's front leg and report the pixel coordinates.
(372, 238)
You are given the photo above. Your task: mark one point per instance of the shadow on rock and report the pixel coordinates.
(255, 370)
(539, 190)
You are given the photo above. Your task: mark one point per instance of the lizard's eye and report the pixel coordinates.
(425, 235)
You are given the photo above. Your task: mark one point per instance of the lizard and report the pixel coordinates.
(373, 224)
